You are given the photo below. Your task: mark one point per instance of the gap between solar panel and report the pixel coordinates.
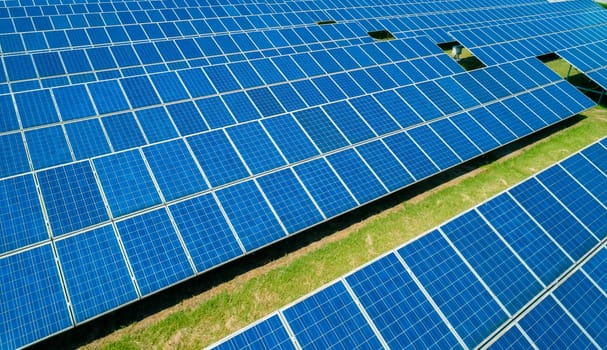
(574, 75)
(325, 22)
(461, 55)
(381, 35)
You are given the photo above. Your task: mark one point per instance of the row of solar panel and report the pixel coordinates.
(211, 160)
(572, 316)
(193, 234)
(535, 27)
(540, 45)
(84, 15)
(63, 37)
(383, 107)
(461, 282)
(102, 63)
(42, 107)
(586, 58)
(534, 45)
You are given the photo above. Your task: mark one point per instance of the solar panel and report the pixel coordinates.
(498, 276)
(220, 129)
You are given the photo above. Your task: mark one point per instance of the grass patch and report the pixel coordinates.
(215, 313)
(466, 59)
(381, 35)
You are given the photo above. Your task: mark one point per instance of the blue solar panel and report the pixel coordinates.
(174, 169)
(269, 334)
(527, 239)
(513, 339)
(186, 117)
(169, 87)
(466, 303)
(87, 138)
(172, 86)
(587, 209)
(108, 97)
(290, 200)
(117, 173)
(250, 215)
(92, 261)
(549, 327)
(506, 276)
(205, 231)
(13, 158)
(434, 147)
(36, 108)
(586, 304)
(595, 268)
(308, 320)
(241, 106)
(255, 147)
(324, 186)
(19, 202)
(71, 189)
(398, 307)
(554, 218)
(73, 102)
(156, 124)
(363, 184)
(455, 139)
(48, 147)
(411, 156)
(217, 158)
(154, 251)
(123, 131)
(320, 129)
(290, 138)
(385, 165)
(495, 127)
(37, 291)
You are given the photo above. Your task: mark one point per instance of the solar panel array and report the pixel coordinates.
(143, 143)
(501, 43)
(589, 59)
(525, 269)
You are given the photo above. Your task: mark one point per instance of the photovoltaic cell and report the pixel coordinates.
(255, 147)
(356, 175)
(466, 303)
(269, 334)
(37, 291)
(13, 157)
(586, 304)
(71, 189)
(398, 307)
(554, 218)
(351, 331)
(126, 182)
(205, 231)
(174, 169)
(325, 187)
(287, 196)
(320, 129)
(48, 147)
(549, 327)
(21, 214)
(217, 158)
(529, 241)
(250, 215)
(95, 272)
(496, 265)
(154, 251)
